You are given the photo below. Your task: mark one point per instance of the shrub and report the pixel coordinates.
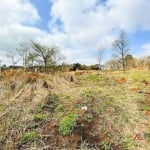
(67, 124)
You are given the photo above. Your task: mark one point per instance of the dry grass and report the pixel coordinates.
(117, 112)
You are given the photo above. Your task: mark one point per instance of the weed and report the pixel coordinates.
(129, 142)
(147, 136)
(40, 107)
(29, 136)
(84, 146)
(93, 77)
(59, 108)
(59, 115)
(40, 117)
(68, 97)
(88, 93)
(67, 124)
(1, 107)
(105, 145)
(52, 98)
(144, 108)
(89, 117)
(124, 116)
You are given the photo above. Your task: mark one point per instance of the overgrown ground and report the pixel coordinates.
(105, 111)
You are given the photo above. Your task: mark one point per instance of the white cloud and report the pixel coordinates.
(78, 27)
(146, 48)
(86, 24)
(89, 24)
(130, 14)
(17, 11)
(17, 19)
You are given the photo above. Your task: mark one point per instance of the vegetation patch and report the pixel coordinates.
(29, 136)
(67, 124)
(40, 117)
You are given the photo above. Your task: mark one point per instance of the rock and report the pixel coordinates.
(71, 79)
(13, 86)
(45, 84)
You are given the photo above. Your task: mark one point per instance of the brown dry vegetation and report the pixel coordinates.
(110, 110)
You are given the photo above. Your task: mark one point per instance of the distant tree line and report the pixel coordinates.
(38, 57)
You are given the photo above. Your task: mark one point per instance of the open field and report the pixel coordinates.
(75, 110)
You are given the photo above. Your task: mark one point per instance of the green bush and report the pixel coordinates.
(29, 136)
(67, 124)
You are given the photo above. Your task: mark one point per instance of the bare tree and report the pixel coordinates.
(0, 68)
(100, 56)
(23, 51)
(13, 59)
(121, 45)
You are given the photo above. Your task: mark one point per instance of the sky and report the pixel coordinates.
(78, 27)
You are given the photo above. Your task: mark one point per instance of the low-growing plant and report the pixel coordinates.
(29, 136)
(93, 78)
(84, 145)
(147, 137)
(105, 145)
(67, 124)
(88, 93)
(69, 97)
(40, 117)
(52, 98)
(58, 115)
(59, 108)
(129, 142)
(1, 107)
(89, 117)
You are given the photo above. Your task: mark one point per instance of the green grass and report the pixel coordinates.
(105, 145)
(29, 136)
(40, 117)
(129, 142)
(59, 108)
(67, 124)
(147, 137)
(93, 78)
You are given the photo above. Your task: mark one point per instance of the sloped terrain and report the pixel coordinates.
(81, 110)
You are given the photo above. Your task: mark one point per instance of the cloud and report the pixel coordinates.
(17, 11)
(78, 27)
(130, 15)
(17, 20)
(146, 48)
(86, 24)
(89, 24)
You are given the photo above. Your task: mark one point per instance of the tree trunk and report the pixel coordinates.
(45, 64)
(123, 65)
